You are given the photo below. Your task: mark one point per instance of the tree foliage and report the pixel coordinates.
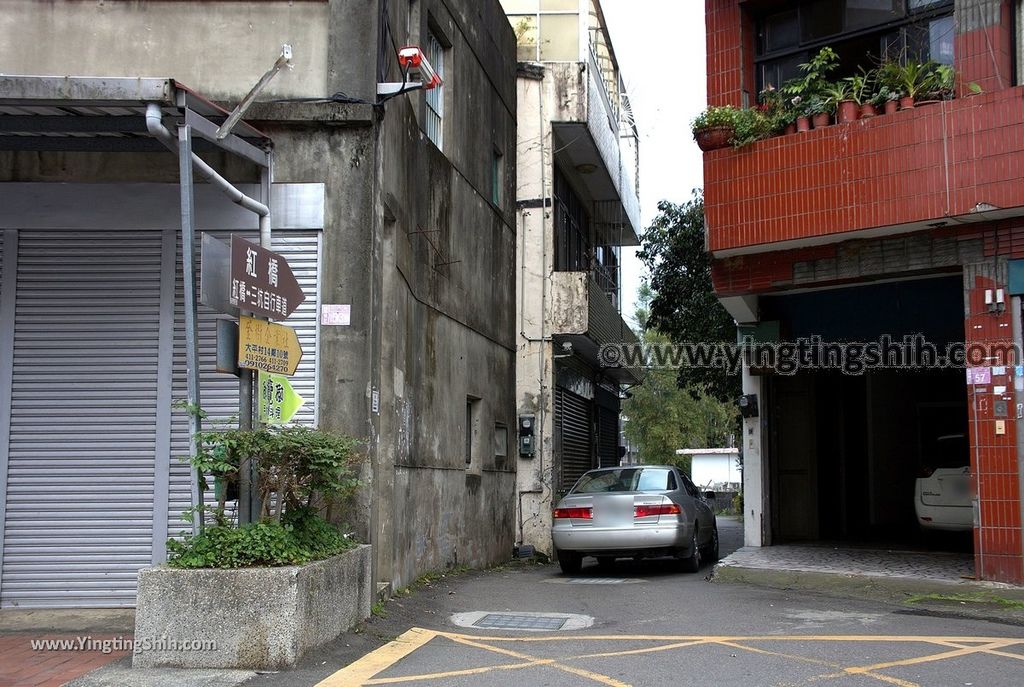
(684, 307)
(663, 416)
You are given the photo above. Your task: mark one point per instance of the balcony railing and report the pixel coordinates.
(932, 164)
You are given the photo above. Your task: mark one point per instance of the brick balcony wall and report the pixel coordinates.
(929, 163)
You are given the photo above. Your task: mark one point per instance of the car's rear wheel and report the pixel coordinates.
(570, 562)
(711, 553)
(691, 563)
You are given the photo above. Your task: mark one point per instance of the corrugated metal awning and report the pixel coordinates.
(102, 114)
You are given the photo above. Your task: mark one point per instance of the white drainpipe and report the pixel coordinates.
(155, 126)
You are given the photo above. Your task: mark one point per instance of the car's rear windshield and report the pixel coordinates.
(625, 479)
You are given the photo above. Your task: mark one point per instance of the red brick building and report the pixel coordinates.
(902, 224)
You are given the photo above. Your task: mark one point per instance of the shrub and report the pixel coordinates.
(301, 537)
(748, 125)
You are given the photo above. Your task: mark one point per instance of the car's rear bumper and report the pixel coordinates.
(591, 540)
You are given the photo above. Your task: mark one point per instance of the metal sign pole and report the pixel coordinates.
(188, 261)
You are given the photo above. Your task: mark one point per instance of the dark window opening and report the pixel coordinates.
(572, 229)
(862, 32)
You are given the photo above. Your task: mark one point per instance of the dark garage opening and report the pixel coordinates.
(844, 450)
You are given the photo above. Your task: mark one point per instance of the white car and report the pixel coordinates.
(942, 495)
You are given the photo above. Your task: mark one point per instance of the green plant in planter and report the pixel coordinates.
(890, 78)
(814, 78)
(298, 470)
(917, 79)
(746, 125)
(776, 109)
(945, 83)
(861, 87)
(835, 93)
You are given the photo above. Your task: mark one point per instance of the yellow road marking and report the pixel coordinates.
(596, 677)
(360, 672)
(364, 670)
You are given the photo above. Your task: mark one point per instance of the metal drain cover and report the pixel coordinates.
(522, 621)
(507, 621)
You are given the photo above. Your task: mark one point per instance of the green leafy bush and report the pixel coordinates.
(302, 536)
(748, 125)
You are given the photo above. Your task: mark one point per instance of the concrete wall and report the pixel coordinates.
(219, 48)
(448, 303)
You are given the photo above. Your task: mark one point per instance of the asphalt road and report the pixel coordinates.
(652, 625)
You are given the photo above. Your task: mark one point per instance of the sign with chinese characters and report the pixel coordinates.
(278, 401)
(261, 281)
(267, 346)
(332, 315)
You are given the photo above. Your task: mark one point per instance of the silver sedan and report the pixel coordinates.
(636, 512)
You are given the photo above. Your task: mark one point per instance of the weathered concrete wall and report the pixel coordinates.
(218, 48)
(255, 618)
(448, 304)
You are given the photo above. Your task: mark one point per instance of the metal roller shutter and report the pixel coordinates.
(607, 437)
(218, 391)
(83, 418)
(573, 426)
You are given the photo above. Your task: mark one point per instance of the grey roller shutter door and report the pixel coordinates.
(573, 426)
(83, 418)
(218, 391)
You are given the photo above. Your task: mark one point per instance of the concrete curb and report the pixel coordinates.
(887, 589)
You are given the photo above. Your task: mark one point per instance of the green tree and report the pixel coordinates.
(684, 307)
(664, 417)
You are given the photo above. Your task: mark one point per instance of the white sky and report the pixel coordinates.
(661, 52)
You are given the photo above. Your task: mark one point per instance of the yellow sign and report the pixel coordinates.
(268, 347)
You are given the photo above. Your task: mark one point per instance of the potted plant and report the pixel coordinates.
(890, 89)
(915, 79)
(860, 93)
(839, 100)
(807, 91)
(725, 125)
(781, 119)
(715, 127)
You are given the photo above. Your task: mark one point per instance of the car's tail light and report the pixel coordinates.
(574, 513)
(926, 472)
(655, 509)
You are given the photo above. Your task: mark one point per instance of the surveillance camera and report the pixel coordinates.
(411, 58)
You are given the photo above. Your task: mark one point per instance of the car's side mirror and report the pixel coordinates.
(709, 495)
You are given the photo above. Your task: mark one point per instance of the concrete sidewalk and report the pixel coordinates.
(920, 582)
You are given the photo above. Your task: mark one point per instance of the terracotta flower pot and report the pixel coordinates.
(803, 123)
(714, 138)
(848, 111)
(891, 106)
(907, 102)
(821, 120)
(790, 129)
(868, 110)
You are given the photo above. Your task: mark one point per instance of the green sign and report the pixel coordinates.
(278, 401)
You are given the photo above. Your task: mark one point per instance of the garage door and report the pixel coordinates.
(80, 484)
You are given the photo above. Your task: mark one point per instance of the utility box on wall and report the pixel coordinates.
(526, 436)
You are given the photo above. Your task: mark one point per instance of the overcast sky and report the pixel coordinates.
(660, 48)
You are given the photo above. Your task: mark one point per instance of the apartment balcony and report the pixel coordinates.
(583, 315)
(944, 164)
(585, 121)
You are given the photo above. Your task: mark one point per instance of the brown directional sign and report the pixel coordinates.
(261, 281)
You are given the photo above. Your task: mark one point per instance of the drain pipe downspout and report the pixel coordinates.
(155, 126)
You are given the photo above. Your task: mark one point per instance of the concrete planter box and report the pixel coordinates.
(252, 618)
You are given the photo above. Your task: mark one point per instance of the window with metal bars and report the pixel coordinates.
(435, 96)
(572, 229)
